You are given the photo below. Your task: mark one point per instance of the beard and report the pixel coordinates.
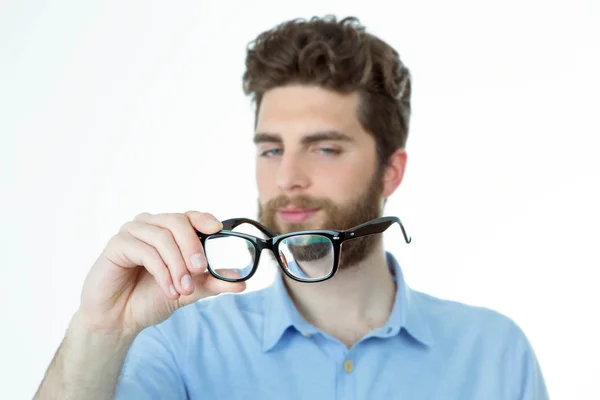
(364, 207)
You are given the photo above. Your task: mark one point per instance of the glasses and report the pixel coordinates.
(304, 256)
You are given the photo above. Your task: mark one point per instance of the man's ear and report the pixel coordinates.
(394, 172)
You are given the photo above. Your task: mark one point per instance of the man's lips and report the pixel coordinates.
(290, 214)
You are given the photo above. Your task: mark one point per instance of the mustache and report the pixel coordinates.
(297, 201)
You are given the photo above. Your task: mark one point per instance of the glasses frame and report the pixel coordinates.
(336, 237)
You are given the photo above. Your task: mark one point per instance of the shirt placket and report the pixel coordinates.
(346, 374)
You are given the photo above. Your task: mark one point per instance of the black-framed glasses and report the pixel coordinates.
(305, 256)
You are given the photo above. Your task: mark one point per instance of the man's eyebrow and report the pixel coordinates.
(267, 138)
(262, 137)
(326, 136)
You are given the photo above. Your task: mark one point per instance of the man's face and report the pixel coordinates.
(316, 166)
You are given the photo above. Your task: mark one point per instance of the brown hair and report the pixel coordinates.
(340, 56)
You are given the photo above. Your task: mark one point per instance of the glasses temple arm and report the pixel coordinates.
(376, 226)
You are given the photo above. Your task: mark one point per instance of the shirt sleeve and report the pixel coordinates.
(150, 370)
(530, 384)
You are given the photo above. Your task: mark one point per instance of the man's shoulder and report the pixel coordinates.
(450, 318)
(484, 341)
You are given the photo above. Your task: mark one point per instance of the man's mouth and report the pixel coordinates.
(294, 214)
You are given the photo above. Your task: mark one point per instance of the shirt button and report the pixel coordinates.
(388, 330)
(306, 334)
(348, 366)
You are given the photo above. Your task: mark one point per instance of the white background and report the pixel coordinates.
(108, 109)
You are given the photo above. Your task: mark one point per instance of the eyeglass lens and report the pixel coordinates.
(306, 257)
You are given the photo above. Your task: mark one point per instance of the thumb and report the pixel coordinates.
(206, 285)
(204, 222)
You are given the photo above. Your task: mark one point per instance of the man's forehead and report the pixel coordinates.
(299, 111)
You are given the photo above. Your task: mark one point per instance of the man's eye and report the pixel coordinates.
(328, 151)
(271, 152)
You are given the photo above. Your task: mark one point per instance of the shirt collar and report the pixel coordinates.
(406, 314)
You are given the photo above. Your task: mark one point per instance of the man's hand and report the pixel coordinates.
(153, 266)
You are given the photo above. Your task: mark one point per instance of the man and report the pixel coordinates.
(332, 117)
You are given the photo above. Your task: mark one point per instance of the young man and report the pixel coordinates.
(333, 106)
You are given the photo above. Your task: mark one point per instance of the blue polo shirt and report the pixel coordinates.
(256, 345)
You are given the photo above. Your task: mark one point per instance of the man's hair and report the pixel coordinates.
(339, 56)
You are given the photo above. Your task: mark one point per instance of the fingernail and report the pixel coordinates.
(172, 290)
(186, 282)
(198, 261)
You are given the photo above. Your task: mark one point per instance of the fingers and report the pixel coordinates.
(187, 239)
(163, 241)
(175, 238)
(135, 252)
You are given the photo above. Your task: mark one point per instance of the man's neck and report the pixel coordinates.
(352, 303)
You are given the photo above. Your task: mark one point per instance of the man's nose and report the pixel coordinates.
(292, 174)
